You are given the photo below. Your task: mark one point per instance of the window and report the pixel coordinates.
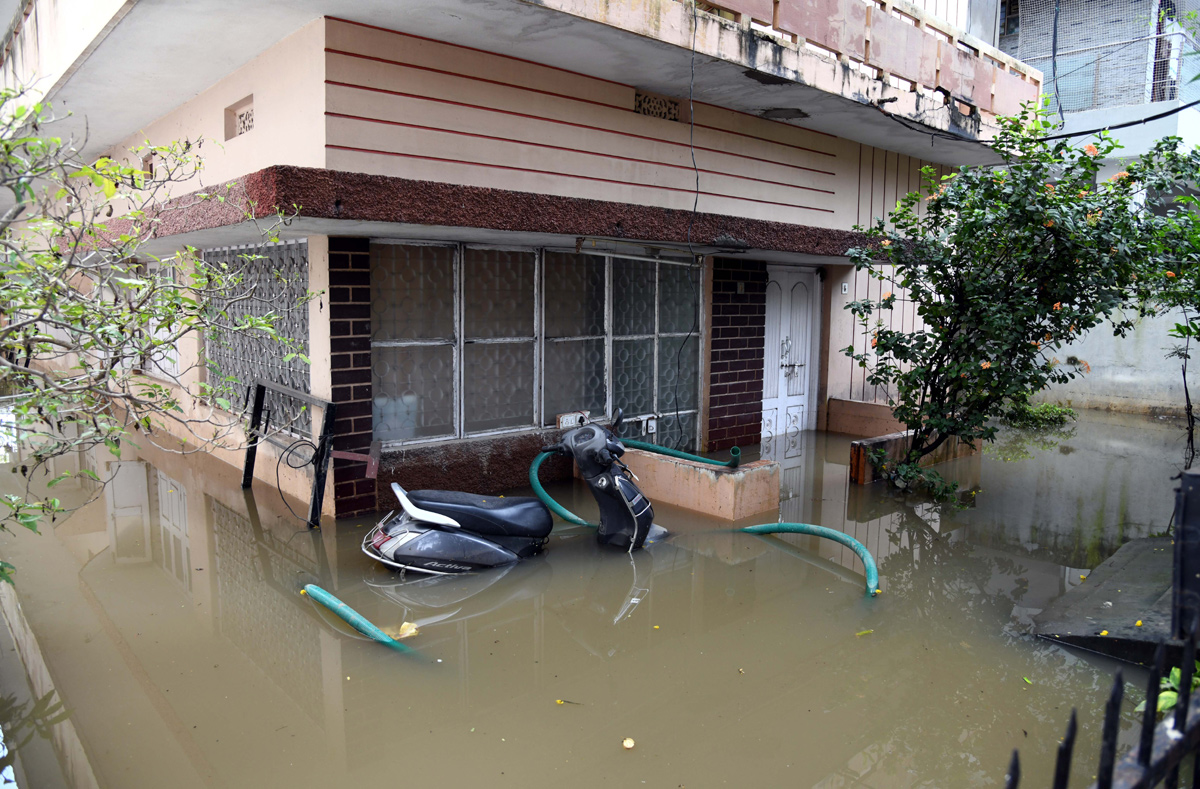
(1010, 17)
(471, 341)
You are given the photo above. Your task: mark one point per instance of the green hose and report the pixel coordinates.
(735, 454)
(554, 506)
(829, 534)
(763, 528)
(353, 618)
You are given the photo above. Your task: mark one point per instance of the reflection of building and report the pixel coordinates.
(496, 200)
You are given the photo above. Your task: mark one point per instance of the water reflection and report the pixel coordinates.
(171, 618)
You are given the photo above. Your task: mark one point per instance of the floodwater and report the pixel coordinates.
(164, 617)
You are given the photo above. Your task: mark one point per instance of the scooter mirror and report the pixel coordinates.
(618, 418)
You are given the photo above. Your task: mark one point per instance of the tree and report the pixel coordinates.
(1004, 265)
(89, 321)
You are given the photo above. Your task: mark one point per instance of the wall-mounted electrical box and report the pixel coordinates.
(573, 419)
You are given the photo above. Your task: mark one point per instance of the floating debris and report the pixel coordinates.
(627, 743)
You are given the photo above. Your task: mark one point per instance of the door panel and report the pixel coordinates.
(789, 337)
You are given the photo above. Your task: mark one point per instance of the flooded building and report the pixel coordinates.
(518, 212)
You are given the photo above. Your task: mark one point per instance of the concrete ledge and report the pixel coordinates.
(1102, 614)
(716, 491)
(896, 445)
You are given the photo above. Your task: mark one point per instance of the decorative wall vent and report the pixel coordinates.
(239, 118)
(656, 106)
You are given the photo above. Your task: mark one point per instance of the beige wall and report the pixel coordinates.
(53, 38)
(404, 106)
(286, 82)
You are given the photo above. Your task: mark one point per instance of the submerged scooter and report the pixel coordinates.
(446, 532)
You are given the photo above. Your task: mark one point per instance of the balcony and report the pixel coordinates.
(884, 74)
(898, 43)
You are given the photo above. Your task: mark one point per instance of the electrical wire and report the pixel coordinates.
(1062, 120)
(1126, 124)
(283, 458)
(679, 440)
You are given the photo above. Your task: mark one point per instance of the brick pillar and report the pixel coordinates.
(736, 371)
(350, 363)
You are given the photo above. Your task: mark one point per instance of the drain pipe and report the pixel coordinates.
(868, 561)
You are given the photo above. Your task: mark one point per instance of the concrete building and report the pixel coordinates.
(496, 202)
(1123, 66)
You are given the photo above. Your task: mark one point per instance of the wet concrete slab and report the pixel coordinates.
(1102, 614)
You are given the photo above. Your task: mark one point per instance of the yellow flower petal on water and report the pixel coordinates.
(559, 701)
(1103, 632)
(1137, 623)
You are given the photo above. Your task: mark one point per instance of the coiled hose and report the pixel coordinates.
(868, 561)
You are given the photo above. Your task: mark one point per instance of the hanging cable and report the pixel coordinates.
(284, 458)
(1062, 120)
(1126, 124)
(679, 440)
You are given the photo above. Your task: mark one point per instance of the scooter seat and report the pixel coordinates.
(519, 516)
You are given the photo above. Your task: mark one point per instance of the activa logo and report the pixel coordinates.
(448, 566)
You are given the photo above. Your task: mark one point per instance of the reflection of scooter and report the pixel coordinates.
(445, 532)
(429, 599)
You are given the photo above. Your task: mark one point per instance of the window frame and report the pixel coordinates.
(540, 340)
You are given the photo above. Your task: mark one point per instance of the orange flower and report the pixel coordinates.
(886, 242)
(1119, 176)
(874, 341)
(1050, 188)
(1057, 306)
(1048, 337)
(1170, 275)
(986, 365)
(1091, 150)
(1035, 343)
(1048, 223)
(1083, 193)
(886, 296)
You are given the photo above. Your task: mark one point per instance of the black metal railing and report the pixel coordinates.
(1163, 746)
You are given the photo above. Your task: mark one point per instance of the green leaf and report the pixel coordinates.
(1027, 680)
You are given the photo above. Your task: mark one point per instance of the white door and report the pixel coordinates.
(128, 503)
(790, 370)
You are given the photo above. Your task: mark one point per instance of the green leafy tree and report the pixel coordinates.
(90, 324)
(1004, 265)
(1176, 291)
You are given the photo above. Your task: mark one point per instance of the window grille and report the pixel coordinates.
(276, 276)
(470, 341)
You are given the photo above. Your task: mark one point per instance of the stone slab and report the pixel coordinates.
(1133, 584)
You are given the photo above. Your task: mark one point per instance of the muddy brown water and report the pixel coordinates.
(165, 616)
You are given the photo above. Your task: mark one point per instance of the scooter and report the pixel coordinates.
(446, 532)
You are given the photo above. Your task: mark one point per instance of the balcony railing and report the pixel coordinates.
(898, 42)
